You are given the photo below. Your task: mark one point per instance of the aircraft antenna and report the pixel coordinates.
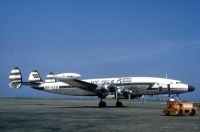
(166, 76)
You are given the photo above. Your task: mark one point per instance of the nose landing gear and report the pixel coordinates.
(118, 103)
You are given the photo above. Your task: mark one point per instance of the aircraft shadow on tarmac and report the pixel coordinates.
(132, 107)
(65, 107)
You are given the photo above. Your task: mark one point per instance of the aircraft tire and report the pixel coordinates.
(180, 113)
(193, 112)
(102, 104)
(167, 114)
(119, 104)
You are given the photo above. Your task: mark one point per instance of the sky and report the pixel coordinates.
(106, 38)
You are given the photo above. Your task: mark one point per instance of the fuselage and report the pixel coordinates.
(137, 86)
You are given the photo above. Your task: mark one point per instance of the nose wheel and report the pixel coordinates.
(118, 103)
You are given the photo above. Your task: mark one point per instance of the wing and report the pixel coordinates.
(81, 84)
(73, 80)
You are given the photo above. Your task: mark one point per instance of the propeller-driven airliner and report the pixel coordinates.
(71, 84)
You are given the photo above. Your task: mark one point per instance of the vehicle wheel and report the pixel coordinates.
(102, 104)
(167, 114)
(119, 104)
(193, 112)
(172, 113)
(180, 113)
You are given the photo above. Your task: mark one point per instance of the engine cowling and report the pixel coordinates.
(126, 95)
(112, 88)
(103, 89)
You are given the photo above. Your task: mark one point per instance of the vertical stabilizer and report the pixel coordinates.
(15, 78)
(50, 78)
(34, 77)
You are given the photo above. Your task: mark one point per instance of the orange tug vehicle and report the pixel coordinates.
(175, 108)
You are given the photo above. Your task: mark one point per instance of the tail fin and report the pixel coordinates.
(34, 77)
(49, 78)
(15, 78)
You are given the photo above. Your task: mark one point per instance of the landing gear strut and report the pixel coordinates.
(102, 104)
(118, 103)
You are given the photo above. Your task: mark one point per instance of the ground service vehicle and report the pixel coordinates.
(175, 108)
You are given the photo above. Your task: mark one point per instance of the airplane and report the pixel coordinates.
(71, 84)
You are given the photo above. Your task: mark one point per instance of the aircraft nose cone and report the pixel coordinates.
(190, 88)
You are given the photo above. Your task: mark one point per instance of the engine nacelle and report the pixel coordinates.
(103, 89)
(112, 88)
(126, 95)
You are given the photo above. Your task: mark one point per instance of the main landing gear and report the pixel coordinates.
(102, 104)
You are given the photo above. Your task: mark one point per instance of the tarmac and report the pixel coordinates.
(76, 115)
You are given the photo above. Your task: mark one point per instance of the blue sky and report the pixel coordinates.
(100, 39)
